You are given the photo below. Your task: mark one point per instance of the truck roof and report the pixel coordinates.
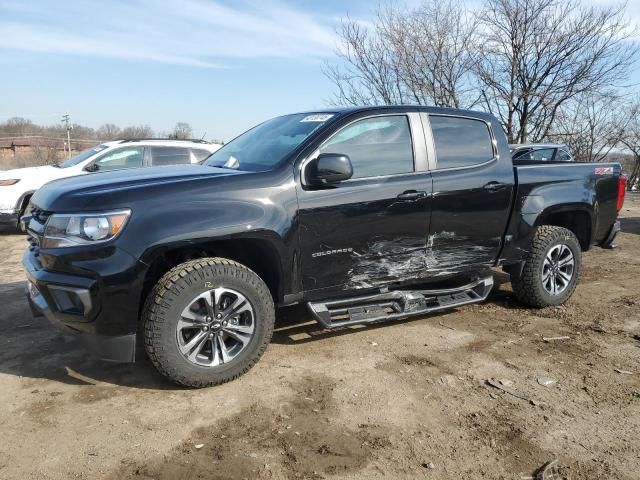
(401, 108)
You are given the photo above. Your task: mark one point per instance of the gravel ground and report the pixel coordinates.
(401, 400)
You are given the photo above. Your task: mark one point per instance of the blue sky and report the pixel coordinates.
(220, 65)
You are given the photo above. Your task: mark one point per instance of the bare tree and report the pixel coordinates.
(141, 131)
(536, 55)
(421, 56)
(19, 127)
(592, 125)
(109, 131)
(181, 131)
(631, 140)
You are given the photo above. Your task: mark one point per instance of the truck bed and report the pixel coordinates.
(544, 190)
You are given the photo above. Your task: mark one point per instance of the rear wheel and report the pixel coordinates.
(207, 321)
(551, 269)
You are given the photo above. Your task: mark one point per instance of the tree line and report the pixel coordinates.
(549, 70)
(22, 127)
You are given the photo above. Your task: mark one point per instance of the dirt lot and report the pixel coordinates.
(402, 400)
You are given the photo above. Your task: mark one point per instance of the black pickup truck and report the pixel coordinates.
(363, 214)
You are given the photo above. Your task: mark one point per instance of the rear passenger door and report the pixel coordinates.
(161, 156)
(472, 191)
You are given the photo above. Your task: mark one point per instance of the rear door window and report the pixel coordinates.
(169, 156)
(460, 142)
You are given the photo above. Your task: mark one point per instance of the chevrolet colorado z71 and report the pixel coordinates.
(363, 214)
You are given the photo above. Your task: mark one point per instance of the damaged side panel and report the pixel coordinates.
(400, 260)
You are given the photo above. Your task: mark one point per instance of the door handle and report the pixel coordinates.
(412, 195)
(494, 186)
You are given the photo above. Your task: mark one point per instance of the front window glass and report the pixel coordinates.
(129, 157)
(82, 156)
(542, 154)
(376, 146)
(200, 154)
(265, 146)
(522, 155)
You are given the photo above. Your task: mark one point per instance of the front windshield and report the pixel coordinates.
(265, 146)
(81, 157)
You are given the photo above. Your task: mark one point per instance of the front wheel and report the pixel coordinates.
(551, 269)
(207, 321)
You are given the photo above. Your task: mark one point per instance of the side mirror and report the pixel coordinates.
(93, 167)
(329, 168)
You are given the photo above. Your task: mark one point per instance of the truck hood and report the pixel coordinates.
(107, 189)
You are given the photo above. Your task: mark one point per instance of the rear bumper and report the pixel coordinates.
(73, 304)
(611, 236)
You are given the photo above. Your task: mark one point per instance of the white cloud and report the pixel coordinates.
(199, 33)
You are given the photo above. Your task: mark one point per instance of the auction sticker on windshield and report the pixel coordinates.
(318, 117)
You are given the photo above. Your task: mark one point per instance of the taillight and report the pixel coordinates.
(622, 189)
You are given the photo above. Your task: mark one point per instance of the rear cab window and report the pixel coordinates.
(460, 141)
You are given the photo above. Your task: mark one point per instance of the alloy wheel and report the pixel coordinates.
(215, 327)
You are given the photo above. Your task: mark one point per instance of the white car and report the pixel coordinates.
(17, 186)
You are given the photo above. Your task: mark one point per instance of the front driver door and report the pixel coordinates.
(369, 231)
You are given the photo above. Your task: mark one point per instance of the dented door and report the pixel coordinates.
(472, 190)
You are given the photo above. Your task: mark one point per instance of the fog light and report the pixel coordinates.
(33, 290)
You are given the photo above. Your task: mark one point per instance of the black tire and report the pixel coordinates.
(167, 300)
(528, 286)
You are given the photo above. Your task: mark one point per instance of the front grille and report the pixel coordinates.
(34, 243)
(36, 220)
(39, 215)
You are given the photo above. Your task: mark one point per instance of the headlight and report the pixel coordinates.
(9, 182)
(68, 230)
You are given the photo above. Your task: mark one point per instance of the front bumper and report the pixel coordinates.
(9, 220)
(73, 304)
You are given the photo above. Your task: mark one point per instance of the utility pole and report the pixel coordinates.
(65, 120)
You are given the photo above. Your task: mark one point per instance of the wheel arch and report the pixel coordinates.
(576, 218)
(23, 201)
(258, 254)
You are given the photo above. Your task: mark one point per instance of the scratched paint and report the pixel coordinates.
(402, 259)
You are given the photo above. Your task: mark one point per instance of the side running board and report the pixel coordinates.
(396, 305)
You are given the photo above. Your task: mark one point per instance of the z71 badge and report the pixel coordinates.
(332, 252)
(604, 170)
